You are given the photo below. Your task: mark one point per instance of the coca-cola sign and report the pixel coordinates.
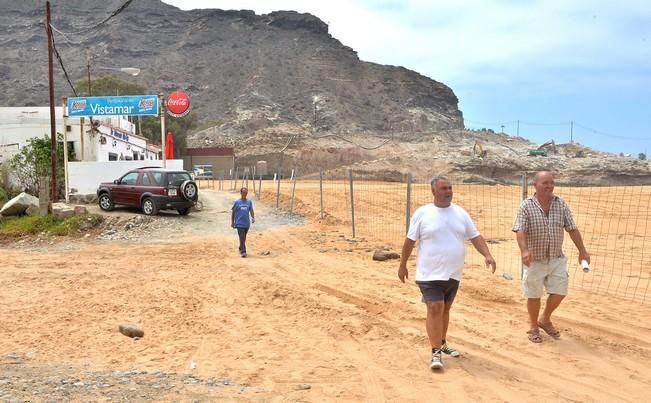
(178, 103)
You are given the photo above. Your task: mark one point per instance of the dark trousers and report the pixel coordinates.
(241, 232)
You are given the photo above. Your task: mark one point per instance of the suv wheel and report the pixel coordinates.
(105, 202)
(149, 207)
(189, 190)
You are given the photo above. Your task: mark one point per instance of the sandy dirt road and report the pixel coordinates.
(308, 316)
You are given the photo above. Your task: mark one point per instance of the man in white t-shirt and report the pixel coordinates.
(441, 228)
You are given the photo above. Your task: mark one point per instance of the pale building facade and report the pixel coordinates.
(113, 140)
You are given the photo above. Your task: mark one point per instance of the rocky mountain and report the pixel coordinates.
(246, 72)
(279, 88)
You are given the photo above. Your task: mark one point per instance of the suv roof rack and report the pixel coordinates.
(148, 167)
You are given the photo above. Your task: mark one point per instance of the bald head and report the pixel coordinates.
(542, 174)
(544, 184)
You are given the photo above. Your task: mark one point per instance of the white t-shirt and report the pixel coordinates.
(441, 233)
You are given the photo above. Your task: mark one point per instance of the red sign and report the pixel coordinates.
(178, 104)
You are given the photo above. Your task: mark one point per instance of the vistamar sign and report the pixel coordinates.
(109, 106)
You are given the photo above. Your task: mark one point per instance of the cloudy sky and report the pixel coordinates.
(544, 63)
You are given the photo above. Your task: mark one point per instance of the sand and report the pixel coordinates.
(307, 307)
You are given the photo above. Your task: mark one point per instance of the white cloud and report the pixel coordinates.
(476, 40)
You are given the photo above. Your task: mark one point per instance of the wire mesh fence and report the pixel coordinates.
(614, 221)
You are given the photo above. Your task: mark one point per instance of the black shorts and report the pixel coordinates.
(438, 290)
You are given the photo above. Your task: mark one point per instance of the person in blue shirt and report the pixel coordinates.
(242, 208)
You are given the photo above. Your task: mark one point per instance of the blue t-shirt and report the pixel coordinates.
(242, 210)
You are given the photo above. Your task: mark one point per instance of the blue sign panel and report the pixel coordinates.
(108, 106)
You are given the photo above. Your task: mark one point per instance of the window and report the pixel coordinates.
(145, 180)
(113, 157)
(176, 178)
(158, 177)
(129, 179)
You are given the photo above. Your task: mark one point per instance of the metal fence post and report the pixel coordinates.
(237, 174)
(260, 187)
(321, 191)
(524, 196)
(280, 166)
(408, 209)
(277, 189)
(291, 206)
(352, 199)
(253, 179)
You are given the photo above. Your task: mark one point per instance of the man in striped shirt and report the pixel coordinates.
(539, 227)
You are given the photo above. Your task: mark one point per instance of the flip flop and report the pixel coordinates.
(534, 336)
(550, 329)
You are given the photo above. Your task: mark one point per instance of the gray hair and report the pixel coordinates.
(438, 178)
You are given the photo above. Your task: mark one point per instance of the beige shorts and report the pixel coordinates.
(550, 274)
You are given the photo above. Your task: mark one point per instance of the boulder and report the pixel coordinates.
(33, 210)
(131, 330)
(62, 210)
(382, 255)
(80, 210)
(19, 204)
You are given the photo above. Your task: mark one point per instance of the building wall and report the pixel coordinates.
(85, 177)
(116, 139)
(18, 125)
(220, 164)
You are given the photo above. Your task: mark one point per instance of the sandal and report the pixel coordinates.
(550, 329)
(534, 336)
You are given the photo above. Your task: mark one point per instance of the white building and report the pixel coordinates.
(114, 139)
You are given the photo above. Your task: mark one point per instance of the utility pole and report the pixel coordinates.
(571, 132)
(53, 135)
(90, 92)
(518, 129)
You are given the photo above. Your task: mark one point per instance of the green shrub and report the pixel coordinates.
(31, 225)
(26, 225)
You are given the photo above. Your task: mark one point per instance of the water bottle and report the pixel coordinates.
(585, 265)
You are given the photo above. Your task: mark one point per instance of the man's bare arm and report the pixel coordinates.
(407, 248)
(578, 242)
(521, 237)
(482, 247)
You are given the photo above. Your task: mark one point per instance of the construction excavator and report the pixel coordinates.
(543, 149)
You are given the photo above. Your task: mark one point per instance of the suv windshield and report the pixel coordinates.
(176, 178)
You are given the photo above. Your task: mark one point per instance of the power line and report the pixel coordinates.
(573, 123)
(353, 143)
(544, 123)
(65, 73)
(603, 134)
(104, 21)
(489, 123)
(65, 37)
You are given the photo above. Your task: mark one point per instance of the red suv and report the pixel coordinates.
(151, 189)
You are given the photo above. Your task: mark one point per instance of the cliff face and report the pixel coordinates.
(248, 72)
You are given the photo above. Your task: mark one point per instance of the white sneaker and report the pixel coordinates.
(445, 349)
(437, 360)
